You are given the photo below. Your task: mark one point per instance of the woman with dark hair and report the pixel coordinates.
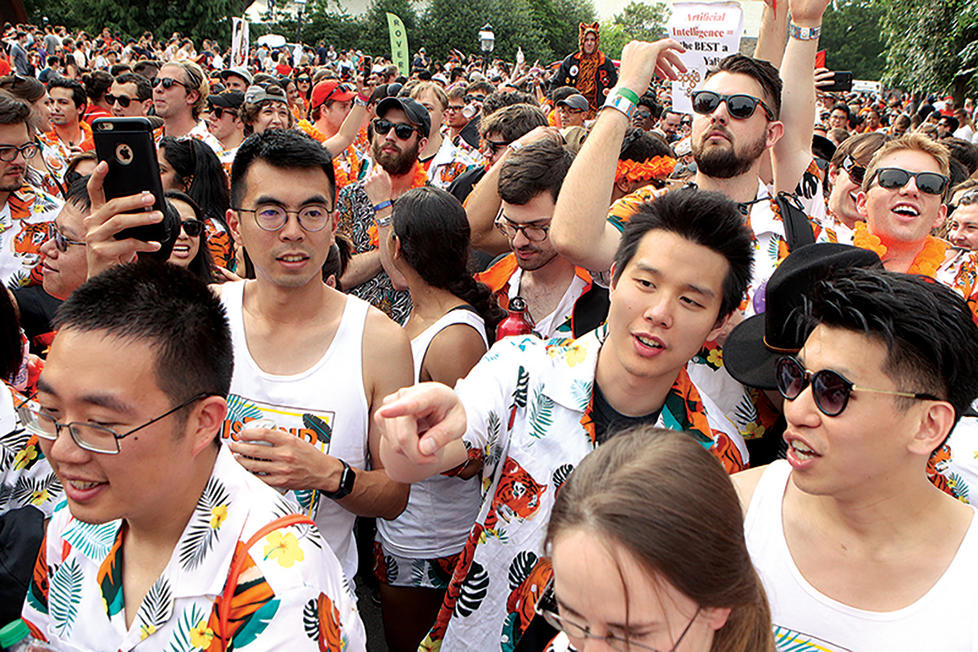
(424, 247)
(648, 551)
(41, 173)
(190, 166)
(97, 84)
(187, 251)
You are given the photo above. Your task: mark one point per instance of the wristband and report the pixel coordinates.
(363, 98)
(515, 147)
(621, 103)
(804, 33)
(381, 222)
(628, 93)
(387, 203)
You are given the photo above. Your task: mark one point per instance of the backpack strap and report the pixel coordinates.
(797, 228)
(238, 561)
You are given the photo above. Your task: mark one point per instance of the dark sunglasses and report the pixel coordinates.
(302, 80)
(830, 389)
(192, 227)
(401, 129)
(739, 106)
(469, 99)
(856, 172)
(219, 111)
(123, 100)
(167, 82)
(931, 183)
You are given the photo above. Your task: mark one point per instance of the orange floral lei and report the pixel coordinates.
(926, 262)
(420, 179)
(654, 168)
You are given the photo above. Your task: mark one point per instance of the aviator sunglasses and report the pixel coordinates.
(739, 106)
(830, 389)
(931, 183)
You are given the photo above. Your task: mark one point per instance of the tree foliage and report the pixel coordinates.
(931, 46)
(639, 21)
(852, 40)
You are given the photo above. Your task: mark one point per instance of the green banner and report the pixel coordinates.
(399, 44)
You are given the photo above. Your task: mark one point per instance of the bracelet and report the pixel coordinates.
(628, 93)
(387, 203)
(384, 221)
(620, 103)
(357, 101)
(804, 33)
(362, 97)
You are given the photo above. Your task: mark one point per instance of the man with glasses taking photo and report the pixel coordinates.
(166, 539)
(856, 548)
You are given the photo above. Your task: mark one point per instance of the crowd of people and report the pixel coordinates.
(532, 357)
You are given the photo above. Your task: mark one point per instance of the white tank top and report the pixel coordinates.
(441, 509)
(326, 405)
(945, 618)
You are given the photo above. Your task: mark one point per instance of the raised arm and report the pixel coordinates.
(579, 229)
(793, 153)
(772, 34)
(350, 126)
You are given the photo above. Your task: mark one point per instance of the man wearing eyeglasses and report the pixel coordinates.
(901, 201)
(130, 95)
(856, 548)
(180, 93)
(400, 132)
(165, 539)
(25, 211)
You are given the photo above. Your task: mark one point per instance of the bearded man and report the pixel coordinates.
(400, 132)
(588, 70)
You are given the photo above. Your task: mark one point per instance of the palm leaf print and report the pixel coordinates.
(180, 641)
(519, 395)
(419, 574)
(240, 408)
(203, 528)
(66, 588)
(14, 440)
(521, 567)
(745, 412)
(255, 624)
(323, 432)
(156, 609)
(559, 476)
(36, 491)
(772, 247)
(310, 620)
(308, 500)
(474, 590)
(94, 540)
(541, 414)
(307, 531)
(787, 640)
(493, 451)
(581, 391)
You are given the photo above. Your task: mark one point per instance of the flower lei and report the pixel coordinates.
(419, 179)
(926, 262)
(654, 168)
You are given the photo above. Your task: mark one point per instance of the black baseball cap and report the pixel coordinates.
(416, 114)
(227, 99)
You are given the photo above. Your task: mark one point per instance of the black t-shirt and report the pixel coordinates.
(608, 421)
(37, 309)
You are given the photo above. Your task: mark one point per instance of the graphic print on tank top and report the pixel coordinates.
(313, 426)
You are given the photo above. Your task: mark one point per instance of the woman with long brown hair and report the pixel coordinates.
(648, 551)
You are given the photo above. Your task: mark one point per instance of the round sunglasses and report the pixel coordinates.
(931, 183)
(401, 130)
(739, 105)
(830, 389)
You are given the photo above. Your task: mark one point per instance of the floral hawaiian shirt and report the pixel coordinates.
(528, 404)
(291, 594)
(26, 477)
(25, 223)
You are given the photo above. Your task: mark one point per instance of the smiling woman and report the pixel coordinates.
(650, 557)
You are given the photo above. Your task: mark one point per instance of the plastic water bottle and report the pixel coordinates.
(16, 637)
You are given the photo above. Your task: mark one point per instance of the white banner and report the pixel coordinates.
(709, 31)
(239, 42)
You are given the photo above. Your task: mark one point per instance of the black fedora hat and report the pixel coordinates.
(753, 347)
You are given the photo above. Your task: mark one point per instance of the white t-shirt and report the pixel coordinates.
(945, 619)
(326, 405)
(441, 509)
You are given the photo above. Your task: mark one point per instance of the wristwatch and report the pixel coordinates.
(347, 478)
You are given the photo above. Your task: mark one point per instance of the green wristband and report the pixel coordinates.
(628, 94)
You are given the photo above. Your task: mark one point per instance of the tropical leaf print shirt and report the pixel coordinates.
(528, 405)
(291, 593)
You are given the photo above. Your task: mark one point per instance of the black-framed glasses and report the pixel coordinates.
(495, 145)
(61, 241)
(89, 436)
(547, 609)
(192, 227)
(830, 389)
(509, 228)
(8, 153)
(931, 183)
(454, 107)
(272, 217)
(123, 100)
(167, 82)
(469, 99)
(739, 105)
(303, 80)
(401, 129)
(856, 172)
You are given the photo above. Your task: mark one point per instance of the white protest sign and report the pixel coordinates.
(239, 42)
(709, 31)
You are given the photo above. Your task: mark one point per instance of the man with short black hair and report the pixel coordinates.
(132, 400)
(573, 110)
(69, 135)
(531, 410)
(879, 558)
(130, 95)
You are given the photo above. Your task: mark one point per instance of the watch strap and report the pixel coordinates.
(347, 477)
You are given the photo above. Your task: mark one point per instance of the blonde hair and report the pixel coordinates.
(912, 141)
(196, 80)
(438, 91)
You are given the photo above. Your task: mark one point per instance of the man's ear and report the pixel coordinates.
(861, 204)
(721, 326)
(936, 422)
(775, 130)
(205, 422)
(234, 225)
